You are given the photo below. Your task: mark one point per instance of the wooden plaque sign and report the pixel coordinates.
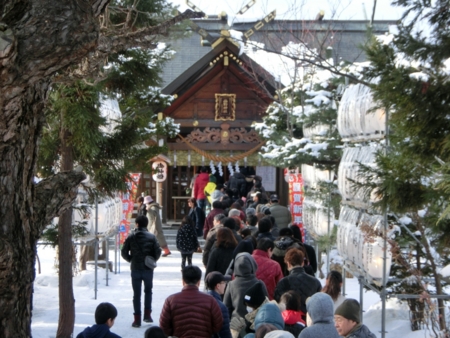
(225, 107)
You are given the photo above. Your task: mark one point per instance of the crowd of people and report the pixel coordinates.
(260, 276)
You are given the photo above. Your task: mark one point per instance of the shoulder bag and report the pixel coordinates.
(149, 261)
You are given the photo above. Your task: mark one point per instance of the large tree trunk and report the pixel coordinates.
(38, 40)
(25, 208)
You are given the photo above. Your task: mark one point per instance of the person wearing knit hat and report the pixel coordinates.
(347, 320)
(215, 283)
(255, 295)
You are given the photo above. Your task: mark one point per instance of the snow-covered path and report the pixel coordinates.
(167, 280)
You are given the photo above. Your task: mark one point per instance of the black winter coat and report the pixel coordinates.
(187, 241)
(137, 245)
(198, 218)
(300, 282)
(142, 210)
(219, 260)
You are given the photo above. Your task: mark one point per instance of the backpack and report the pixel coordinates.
(283, 243)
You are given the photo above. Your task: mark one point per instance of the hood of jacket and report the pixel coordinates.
(279, 334)
(154, 205)
(96, 331)
(244, 265)
(320, 308)
(269, 313)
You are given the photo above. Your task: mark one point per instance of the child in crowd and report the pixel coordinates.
(154, 332)
(187, 242)
(105, 314)
(292, 316)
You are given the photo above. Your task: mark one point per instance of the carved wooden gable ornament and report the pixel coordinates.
(225, 107)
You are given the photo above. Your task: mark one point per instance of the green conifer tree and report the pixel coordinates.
(410, 71)
(77, 134)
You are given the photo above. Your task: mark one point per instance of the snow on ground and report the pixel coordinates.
(167, 280)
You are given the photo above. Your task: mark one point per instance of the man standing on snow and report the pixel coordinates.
(347, 320)
(141, 243)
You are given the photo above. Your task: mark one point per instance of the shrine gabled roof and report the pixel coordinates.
(205, 65)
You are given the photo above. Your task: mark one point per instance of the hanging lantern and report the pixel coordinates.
(160, 171)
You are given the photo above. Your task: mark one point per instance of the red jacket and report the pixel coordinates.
(292, 317)
(268, 271)
(190, 314)
(200, 183)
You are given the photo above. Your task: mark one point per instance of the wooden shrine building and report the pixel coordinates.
(220, 93)
(217, 101)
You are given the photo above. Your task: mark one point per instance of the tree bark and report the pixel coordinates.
(66, 320)
(38, 40)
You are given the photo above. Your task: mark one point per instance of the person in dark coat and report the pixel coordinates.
(187, 242)
(105, 314)
(264, 226)
(246, 245)
(283, 243)
(137, 245)
(154, 332)
(298, 280)
(209, 221)
(142, 208)
(197, 216)
(238, 185)
(191, 313)
(215, 283)
(211, 238)
(251, 223)
(312, 258)
(222, 254)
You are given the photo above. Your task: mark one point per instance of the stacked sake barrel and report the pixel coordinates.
(360, 236)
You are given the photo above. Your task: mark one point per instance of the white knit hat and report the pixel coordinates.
(148, 199)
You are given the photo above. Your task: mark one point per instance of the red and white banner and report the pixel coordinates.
(296, 199)
(128, 199)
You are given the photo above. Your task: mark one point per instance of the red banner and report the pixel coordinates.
(128, 199)
(296, 199)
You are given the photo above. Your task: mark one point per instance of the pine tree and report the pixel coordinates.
(77, 134)
(301, 130)
(410, 71)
